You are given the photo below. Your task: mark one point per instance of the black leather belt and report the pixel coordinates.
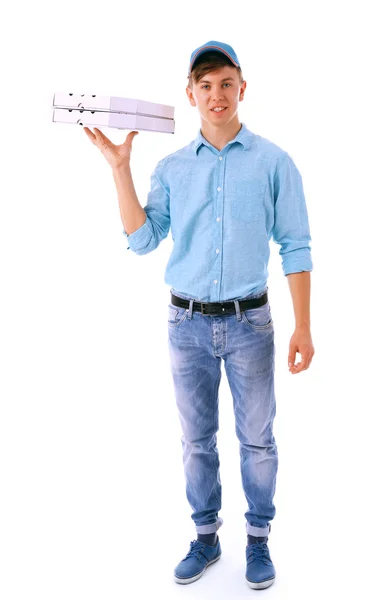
(219, 308)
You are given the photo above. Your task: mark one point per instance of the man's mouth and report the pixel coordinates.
(219, 109)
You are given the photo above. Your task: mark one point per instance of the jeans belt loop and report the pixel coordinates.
(190, 309)
(237, 310)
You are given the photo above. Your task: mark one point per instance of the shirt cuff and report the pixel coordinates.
(299, 263)
(139, 238)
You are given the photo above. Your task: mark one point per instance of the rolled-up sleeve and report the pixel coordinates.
(291, 224)
(157, 224)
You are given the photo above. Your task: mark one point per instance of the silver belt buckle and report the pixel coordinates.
(210, 313)
(203, 313)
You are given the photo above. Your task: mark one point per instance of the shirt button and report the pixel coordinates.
(218, 219)
(217, 250)
(215, 281)
(219, 189)
(220, 157)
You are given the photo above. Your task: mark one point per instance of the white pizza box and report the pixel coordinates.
(112, 119)
(112, 104)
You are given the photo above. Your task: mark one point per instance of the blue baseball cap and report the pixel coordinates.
(216, 46)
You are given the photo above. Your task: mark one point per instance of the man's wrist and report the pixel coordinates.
(305, 325)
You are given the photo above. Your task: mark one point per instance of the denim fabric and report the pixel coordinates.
(245, 341)
(223, 208)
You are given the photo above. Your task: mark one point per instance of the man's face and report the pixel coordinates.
(219, 88)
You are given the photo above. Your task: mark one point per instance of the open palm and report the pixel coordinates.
(115, 155)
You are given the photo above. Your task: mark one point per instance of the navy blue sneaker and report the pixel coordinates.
(260, 572)
(199, 557)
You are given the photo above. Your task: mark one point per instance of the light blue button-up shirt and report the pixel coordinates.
(223, 207)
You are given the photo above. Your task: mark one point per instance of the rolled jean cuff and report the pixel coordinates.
(258, 531)
(210, 527)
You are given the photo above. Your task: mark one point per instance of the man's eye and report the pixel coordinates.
(206, 85)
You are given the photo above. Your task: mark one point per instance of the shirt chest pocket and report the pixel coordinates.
(246, 199)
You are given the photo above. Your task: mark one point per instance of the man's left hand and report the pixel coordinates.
(301, 341)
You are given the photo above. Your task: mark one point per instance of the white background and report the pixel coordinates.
(92, 501)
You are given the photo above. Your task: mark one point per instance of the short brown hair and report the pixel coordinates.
(210, 61)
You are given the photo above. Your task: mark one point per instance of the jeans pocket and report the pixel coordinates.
(258, 318)
(247, 202)
(176, 315)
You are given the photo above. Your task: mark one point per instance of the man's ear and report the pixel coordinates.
(242, 90)
(190, 96)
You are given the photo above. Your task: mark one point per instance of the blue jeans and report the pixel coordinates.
(245, 341)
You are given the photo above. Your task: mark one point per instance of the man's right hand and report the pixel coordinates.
(116, 156)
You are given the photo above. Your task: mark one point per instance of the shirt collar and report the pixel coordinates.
(243, 137)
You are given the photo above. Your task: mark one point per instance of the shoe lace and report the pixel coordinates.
(259, 551)
(196, 549)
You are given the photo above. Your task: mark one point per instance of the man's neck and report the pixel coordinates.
(218, 137)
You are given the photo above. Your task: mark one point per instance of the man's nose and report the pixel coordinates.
(217, 94)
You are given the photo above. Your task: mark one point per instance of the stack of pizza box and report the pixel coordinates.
(112, 111)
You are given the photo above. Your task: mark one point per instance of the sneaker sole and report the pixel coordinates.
(195, 577)
(261, 585)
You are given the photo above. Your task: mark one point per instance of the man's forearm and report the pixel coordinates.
(300, 285)
(132, 214)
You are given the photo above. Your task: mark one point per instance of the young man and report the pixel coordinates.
(224, 196)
